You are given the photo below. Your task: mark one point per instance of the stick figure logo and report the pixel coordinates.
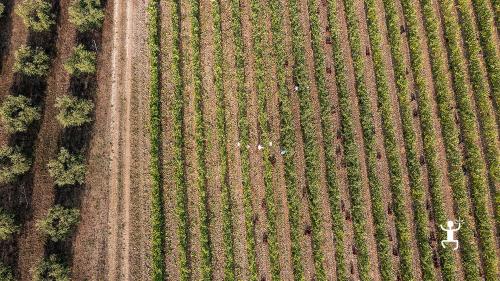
(450, 233)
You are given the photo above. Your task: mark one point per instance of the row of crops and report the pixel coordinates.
(20, 114)
(467, 111)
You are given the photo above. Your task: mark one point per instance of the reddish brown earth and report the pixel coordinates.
(112, 241)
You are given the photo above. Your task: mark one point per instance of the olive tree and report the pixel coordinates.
(67, 169)
(73, 111)
(5, 273)
(17, 113)
(59, 222)
(12, 164)
(51, 269)
(2, 9)
(81, 62)
(36, 14)
(8, 226)
(32, 62)
(86, 15)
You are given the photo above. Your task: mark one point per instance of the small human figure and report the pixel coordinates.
(260, 147)
(450, 233)
(282, 152)
(238, 144)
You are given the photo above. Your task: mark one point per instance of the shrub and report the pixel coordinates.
(288, 140)
(51, 269)
(81, 62)
(33, 62)
(8, 227)
(12, 164)
(86, 14)
(2, 9)
(73, 111)
(157, 217)
(36, 14)
(5, 272)
(59, 222)
(67, 169)
(242, 98)
(17, 114)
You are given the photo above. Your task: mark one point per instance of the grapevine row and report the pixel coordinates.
(178, 149)
(481, 94)
(428, 131)
(415, 176)
(258, 33)
(200, 139)
(369, 138)
(157, 216)
(287, 140)
(486, 27)
(450, 135)
(311, 152)
(244, 132)
(390, 144)
(328, 144)
(227, 217)
(473, 161)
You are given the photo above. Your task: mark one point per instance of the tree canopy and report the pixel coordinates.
(12, 164)
(51, 269)
(36, 14)
(8, 226)
(67, 169)
(73, 111)
(86, 15)
(32, 62)
(59, 223)
(17, 113)
(81, 62)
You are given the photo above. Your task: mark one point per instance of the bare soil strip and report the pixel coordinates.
(306, 244)
(214, 177)
(256, 162)
(31, 242)
(166, 91)
(120, 154)
(234, 158)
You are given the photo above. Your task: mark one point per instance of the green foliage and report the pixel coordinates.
(67, 169)
(81, 62)
(227, 217)
(244, 133)
(262, 88)
(12, 164)
(8, 226)
(287, 141)
(51, 269)
(475, 166)
(33, 62)
(200, 140)
(6, 273)
(73, 111)
(327, 130)
(157, 216)
(86, 15)
(435, 178)
(486, 28)
(2, 9)
(181, 208)
(36, 14)
(450, 135)
(17, 113)
(486, 115)
(59, 222)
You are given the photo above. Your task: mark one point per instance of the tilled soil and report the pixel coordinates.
(112, 241)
